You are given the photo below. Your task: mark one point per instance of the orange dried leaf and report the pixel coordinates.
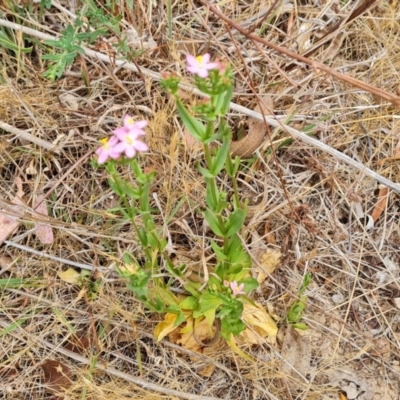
(381, 204)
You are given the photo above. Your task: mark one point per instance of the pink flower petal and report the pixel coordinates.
(103, 156)
(191, 59)
(206, 58)
(141, 124)
(130, 152)
(140, 146)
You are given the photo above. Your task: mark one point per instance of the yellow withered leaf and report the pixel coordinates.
(165, 327)
(70, 276)
(260, 325)
(269, 261)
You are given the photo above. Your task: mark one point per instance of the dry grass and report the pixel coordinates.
(311, 210)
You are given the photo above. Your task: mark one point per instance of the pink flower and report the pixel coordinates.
(237, 289)
(200, 65)
(123, 141)
(107, 150)
(130, 125)
(129, 144)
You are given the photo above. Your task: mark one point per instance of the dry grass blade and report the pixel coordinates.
(19, 133)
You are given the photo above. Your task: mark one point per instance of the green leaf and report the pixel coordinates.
(226, 101)
(205, 172)
(8, 44)
(209, 301)
(212, 220)
(209, 194)
(128, 189)
(193, 125)
(250, 284)
(218, 251)
(214, 282)
(210, 316)
(300, 325)
(143, 236)
(220, 158)
(237, 254)
(180, 319)
(212, 138)
(192, 288)
(54, 43)
(190, 303)
(231, 325)
(235, 222)
(13, 326)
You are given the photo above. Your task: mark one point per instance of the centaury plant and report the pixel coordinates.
(221, 298)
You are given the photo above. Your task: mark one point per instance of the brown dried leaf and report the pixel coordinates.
(381, 204)
(9, 220)
(352, 384)
(78, 345)
(207, 371)
(5, 261)
(44, 232)
(57, 376)
(204, 334)
(296, 353)
(269, 236)
(246, 147)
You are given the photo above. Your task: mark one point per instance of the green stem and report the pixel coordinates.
(234, 182)
(207, 153)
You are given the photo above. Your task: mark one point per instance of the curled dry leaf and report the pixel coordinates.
(246, 147)
(57, 376)
(192, 338)
(165, 327)
(9, 218)
(296, 353)
(44, 232)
